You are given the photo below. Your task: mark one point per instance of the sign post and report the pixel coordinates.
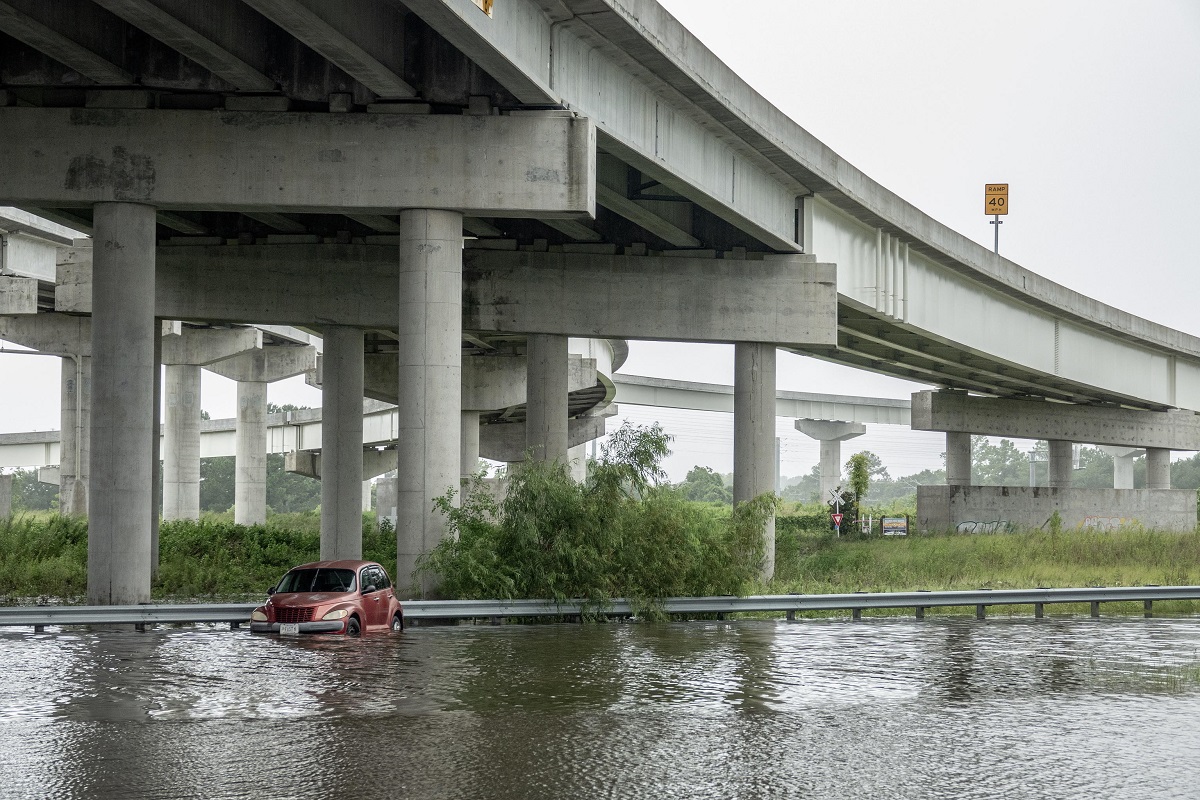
(836, 516)
(995, 203)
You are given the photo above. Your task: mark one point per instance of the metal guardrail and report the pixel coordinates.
(415, 610)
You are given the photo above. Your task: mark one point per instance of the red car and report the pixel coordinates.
(350, 597)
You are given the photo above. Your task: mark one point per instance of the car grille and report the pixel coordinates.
(294, 614)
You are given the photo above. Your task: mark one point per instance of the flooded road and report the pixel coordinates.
(884, 708)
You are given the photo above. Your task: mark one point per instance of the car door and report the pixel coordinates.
(375, 604)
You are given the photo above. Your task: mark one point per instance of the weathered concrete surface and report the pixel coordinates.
(489, 382)
(1032, 419)
(307, 463)
(781, 299)
(507, 442)
(546, 404)
(831, 435)
(124, 375)
(75, 418)
(204, 346)
(984, 509)
(1158, 468)
(342, 443)
(18, 295)
(429, 387)
(5, 496)
(528, 165)
(958, 458)
(181, 443)
(1061, 464)
(754, 433)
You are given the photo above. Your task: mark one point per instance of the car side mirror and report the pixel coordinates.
(368, 589)
(271, 591)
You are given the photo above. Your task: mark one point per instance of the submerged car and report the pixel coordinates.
(347, 597)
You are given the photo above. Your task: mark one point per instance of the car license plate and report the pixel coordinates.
(289, 628)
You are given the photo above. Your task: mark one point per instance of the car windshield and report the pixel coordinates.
(317, 580)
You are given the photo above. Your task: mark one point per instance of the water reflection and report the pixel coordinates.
(892, 708)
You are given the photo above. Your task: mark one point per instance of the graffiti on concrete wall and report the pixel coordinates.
(993, 526)
(1104, 523)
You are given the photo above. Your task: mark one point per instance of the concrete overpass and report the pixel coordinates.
(282, 162)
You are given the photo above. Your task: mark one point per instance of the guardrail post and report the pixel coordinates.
(980, 612)
(1038, 609)
(1148, 608)
(39, 628)
(233, 626)
(856, 614)
(920, 612)
(1095, 608)
(791, 616)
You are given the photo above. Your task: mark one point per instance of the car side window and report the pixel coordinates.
(366, 578)
(384, 581)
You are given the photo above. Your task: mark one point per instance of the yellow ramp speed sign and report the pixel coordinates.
(995, 198)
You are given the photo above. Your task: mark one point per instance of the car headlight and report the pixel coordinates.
(257, 616)
(335, 614)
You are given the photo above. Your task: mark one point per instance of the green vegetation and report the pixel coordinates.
(45, 555)
(621, 534)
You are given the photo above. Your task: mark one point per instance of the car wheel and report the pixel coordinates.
(397, 622)
(353, 628)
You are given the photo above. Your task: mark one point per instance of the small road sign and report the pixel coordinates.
(995, 199)
(837, 519)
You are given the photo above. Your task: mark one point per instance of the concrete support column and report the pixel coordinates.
(958, 458)
(156, 491)
(546, 398)
(1123, 458)
(366, 495)
(430, 384)
(76, 442)
(1062, 455)
(468, 444)
(124, 375)
(754, 433)
(577, 456)
(830, 435)
(250, 454)
(5, 496)
(181, 443)
(1158, 468)
(342, 443)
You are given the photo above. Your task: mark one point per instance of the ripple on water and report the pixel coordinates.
(892, 708)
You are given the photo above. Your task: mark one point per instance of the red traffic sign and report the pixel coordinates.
(837, 520)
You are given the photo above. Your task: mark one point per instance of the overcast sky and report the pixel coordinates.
(1090, 111)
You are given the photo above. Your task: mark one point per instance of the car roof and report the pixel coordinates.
(344, 563)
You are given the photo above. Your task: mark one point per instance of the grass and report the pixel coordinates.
(43, 555)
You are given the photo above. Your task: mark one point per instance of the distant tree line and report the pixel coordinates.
(998, 464)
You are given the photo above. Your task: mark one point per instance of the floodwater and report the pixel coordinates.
(882, 708)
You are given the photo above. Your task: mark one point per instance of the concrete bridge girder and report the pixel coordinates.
(544, 165)
(782, 299)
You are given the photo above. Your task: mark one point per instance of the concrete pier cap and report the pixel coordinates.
(830, 434)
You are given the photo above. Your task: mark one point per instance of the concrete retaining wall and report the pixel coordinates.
(5, 496)
(985, 509)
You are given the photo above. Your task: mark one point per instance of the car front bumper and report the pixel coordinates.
(321, 626)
